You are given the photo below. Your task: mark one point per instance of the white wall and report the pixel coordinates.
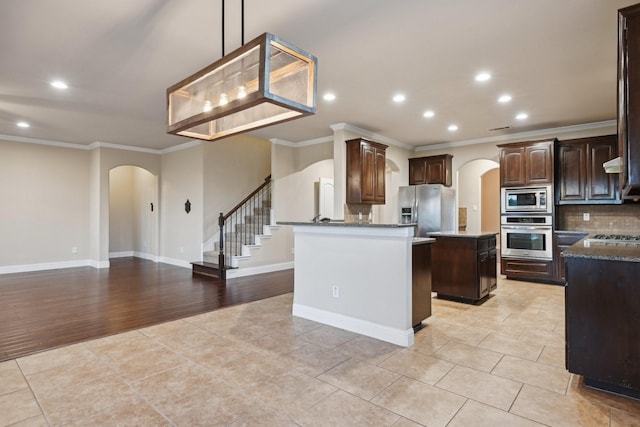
(132, 224)
(181, 232)
(102, 161)
(233, 168)
(44, 204)
(122, 224)
(470, 190)
(371, 268)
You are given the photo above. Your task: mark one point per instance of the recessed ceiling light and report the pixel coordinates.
(23, 124)
(329, 96)
(428, 114)
(504, 98)
(522, 116)
(59, 84)
(453, 128)
(483, 77)
(399, 97)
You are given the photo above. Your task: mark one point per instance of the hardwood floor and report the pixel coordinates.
(47, 309)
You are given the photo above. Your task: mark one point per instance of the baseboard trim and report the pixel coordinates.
(125, 254)
(261, 269)
(25, 268)
(174, 261)
(384, 333)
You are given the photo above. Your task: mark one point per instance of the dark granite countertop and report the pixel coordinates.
(343, 224)
(422, 240)
(570, 232)
(608, 252)
(464, 234)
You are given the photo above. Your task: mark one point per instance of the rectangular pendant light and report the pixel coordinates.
(264, 82)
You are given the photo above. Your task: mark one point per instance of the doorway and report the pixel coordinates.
(133, 217)
(479, 196)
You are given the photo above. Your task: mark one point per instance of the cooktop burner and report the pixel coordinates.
(623, 238)
(613, 240)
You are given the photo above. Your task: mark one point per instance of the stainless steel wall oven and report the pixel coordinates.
(527, 236)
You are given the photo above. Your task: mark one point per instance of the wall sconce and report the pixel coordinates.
(264, 82)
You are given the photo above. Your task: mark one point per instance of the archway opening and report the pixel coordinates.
(478, 196)
(133, 217)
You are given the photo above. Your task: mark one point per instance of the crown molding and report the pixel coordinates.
(49, 142)
(179, 147)
(306, 143)
(371, 135)
(99, 144)
(542, 133)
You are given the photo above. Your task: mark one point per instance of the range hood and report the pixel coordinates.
(613, 165)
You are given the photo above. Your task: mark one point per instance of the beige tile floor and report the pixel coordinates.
(497, 364)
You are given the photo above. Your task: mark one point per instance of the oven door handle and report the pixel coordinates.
(521, 227)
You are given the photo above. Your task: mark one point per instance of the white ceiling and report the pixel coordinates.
(557, 58)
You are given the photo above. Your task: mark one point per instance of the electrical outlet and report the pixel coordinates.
(586, 216)
(336, 292)
(181, 250)
(74, 250)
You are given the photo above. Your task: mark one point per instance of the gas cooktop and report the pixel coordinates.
(622, 238)
(613, 239)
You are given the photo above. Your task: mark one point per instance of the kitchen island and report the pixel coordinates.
(360, 277)
(464, 265)
(602, 309)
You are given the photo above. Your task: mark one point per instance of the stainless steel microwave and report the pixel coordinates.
(527, 200)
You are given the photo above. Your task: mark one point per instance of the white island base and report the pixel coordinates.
(355, 277)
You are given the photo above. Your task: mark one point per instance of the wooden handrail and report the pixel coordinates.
(253, 193)
(222, 223)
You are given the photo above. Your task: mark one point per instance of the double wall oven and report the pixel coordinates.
(526, 226)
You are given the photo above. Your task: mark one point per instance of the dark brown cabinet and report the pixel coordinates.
(562, 241)
(421, 284)
(629, 100)
(580, 177)
(527, 269)
(365, 172)
(602, 308)
(464, 266)
(526, 164)
(431, 170)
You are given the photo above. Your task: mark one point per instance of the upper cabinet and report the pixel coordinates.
(629, 100)
(580, 177)
(365, 172)
(430, 170)
(525, 164)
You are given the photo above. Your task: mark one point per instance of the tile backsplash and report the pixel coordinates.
(352, 213)
(602, 218)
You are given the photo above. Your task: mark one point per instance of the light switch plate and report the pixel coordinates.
(586, 216)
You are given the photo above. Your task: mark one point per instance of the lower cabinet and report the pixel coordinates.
(528, 269)
(602, 307)
(562, 240)
(421, 284)
(464, 265)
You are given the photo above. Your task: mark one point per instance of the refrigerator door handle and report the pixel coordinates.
(415, 211)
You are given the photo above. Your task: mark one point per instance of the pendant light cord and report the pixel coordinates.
(241, 25)
(223, 28)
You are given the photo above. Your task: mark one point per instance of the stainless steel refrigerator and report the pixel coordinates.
(430, 206)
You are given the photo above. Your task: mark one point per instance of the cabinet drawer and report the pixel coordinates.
(527, 268)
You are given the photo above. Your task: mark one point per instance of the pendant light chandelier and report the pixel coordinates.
(264, 82)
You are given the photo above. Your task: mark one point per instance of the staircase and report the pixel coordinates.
(242, 228)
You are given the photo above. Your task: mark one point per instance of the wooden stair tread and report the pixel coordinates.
(210, 265)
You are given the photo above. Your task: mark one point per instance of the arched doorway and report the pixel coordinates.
(133, 218)
(479, 196)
